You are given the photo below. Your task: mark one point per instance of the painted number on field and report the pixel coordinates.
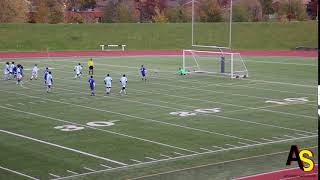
(287, 101)
(69, 128)
(195, 112)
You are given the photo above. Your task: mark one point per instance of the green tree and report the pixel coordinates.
(13, 11)
(240, 14)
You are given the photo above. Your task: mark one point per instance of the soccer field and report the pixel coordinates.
(172, 127)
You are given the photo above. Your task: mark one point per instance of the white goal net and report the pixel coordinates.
(214, 62)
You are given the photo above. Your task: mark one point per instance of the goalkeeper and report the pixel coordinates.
(182, 72)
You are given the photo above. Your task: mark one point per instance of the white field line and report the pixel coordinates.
(277, 137)
(166, 156)
(274, 82)
(141, 118)
(200, 89)
(231, 145)
(300, 134)
(89, 169)
(103, 165)
(134, 160)
(53, 175)
(18, 173)
(151, 158)
(218, 147)
(227, 103)
(281, 170)
(288, 136)
(292, 114)
(21, 104)
(111, 132)
(9, 105)
(186, 156)
(205, 149)
(217, 163)
(179, 153)
(72, 172)
(271, 82)
(264, 139)
(243, 143)
(62, 147)
(282, 63)
(224, 117)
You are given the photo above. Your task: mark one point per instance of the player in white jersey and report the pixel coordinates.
(34, 73)
(11, 70)
(123, 82)
(6, 71)
(108, 83)
(19, 74)
(77, 69)
(49, 81)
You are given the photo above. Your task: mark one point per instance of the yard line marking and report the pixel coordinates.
(72, 172)
(300, 134)
(21, 104)
(218, 147)
(111, 132)
(9, 105)
(89, 169)
(165, 156)
(136, 161)
(243, 143)
(284, 83)
(235, 119)
(137, 117)
(292, 114)
(231, 145)
(289, 136)
(277, 137)
(31, 102)
(205, 149)
(19, 173)
(62, 147)
(179, 153)
(56, 176)
(264, 139)
(151, 158)
(103, 165)
(186, 156)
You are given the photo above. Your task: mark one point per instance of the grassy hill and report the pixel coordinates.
(67, 37)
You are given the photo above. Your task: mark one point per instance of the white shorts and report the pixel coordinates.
(108, 85)
(34, 74)
(19, 76)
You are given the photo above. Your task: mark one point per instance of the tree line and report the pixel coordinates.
(155, 11)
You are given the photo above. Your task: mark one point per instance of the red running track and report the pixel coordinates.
(285, 174)
(146, 53)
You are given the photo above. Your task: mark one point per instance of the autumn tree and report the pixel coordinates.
(210, 11)
(267, 8)
(13, 11)
(293, 9)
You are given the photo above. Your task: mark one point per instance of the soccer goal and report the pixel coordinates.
(214, 62)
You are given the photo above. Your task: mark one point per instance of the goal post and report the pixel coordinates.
(214, 62)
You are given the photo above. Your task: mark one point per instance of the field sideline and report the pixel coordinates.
(138, 137)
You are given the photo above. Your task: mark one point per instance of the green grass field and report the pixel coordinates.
(85, 37)
(139, 137)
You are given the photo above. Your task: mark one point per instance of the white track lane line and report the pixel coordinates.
(62, 147)
(18, 173)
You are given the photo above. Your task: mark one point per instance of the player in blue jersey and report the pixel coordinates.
(92, 85)
(143, 73)
(45, 74)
